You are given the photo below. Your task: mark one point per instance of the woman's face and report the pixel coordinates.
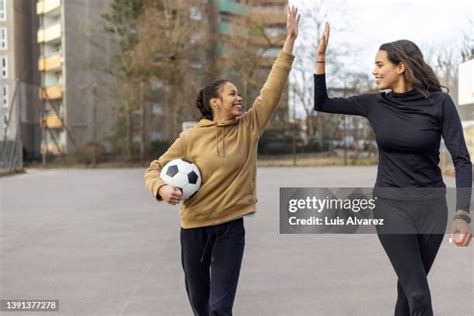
(387, 75)
(229, 106)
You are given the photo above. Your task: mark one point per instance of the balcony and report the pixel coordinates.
(266, 41)
(50, 7)
(51, 148)
(231, 7)
(53, 121)
(51, 34)
(51, 63)
(52, 92)
(268, 16)
(232, 29)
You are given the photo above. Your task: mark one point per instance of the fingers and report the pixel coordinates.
(451, 234)
(175, 196)
(293, 15)
(461, 239)
(460, 233)
(292, 11)
(467, 240)
(326, 33)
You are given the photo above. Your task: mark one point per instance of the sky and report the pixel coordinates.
(369, 23)
(363, 25)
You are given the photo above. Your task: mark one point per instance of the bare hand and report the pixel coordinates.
(170, 195)
(323, 42)
(460, 233)
(292, 22)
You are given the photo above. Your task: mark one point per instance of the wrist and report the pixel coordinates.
(462, 212)
(291, 37)
(158, 192)
(462, 217)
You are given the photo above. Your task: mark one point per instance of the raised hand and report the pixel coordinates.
(323, 42)
(292, 22)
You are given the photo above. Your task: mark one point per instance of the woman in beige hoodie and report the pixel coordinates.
(224, 146)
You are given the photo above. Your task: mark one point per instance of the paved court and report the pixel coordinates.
(97, 241)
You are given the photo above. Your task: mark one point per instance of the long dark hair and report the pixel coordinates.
(417, 72)
(211, 90)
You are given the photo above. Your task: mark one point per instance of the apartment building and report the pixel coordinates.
(18, 98)
(78, 104)
(258, 26)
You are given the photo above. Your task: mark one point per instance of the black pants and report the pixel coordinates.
(211, 258)
(411, 236)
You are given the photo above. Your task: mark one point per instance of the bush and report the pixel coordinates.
(158, 148)
(276, 142)
(90, 151)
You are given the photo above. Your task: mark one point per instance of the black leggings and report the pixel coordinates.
(411, 236)
(211, 258)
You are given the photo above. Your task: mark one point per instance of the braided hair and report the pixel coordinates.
(211, 90)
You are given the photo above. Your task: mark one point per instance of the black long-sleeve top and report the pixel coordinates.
(408, 129)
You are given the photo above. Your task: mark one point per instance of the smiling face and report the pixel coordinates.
(229, 105)
(387, 75)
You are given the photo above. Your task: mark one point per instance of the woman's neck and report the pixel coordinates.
(402, 86)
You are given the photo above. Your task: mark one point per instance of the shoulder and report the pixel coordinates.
(440, 97)
(188, 132)
(371, 97)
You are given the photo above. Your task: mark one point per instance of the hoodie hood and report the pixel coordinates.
(208, 123)
(220, 128)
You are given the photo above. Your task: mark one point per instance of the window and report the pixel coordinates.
(4, 96)
(156, 85)
(271, 52)
(275, 31)
(195, 13)
(156, 135)
(5, 120)
(156, 108)
(3, 10)
(3, 38)
(3, 67)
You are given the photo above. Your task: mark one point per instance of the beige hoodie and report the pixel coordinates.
(226, 155)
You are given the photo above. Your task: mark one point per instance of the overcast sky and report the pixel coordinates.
(370, 23)
(365, 24)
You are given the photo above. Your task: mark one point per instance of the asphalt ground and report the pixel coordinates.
(99, 243)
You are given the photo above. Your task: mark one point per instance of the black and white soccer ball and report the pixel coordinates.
(182, 174)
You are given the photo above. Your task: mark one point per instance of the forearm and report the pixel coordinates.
(289, 44)
(153, 180)
(267, 101)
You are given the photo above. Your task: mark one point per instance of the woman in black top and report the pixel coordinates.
(409, 122)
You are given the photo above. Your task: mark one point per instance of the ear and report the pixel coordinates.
(215, 105)
(401, 68)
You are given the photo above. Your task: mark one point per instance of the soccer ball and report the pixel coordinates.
(182, 174)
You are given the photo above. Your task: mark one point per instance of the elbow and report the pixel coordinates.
(463, 165)
(464, 162)
(318, 104)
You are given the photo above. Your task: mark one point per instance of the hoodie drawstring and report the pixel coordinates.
(217, 141)
(223, 142)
